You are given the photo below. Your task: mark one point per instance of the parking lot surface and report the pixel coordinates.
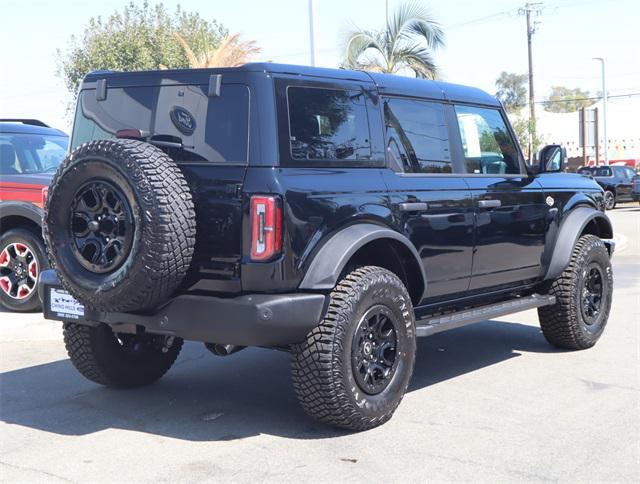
(489, 402)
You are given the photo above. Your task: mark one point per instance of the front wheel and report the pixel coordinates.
(354, 367)
(22, 258)
(583, 298)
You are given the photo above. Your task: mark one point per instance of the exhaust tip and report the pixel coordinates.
(219, 349)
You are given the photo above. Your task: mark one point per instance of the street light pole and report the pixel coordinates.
(604, 110)
(312, 40)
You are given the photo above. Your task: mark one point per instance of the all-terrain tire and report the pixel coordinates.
(162, 222)
(34, 252)
(323, 372)
(119, 361)
(569, 323)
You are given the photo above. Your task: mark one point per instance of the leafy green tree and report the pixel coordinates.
(565, 100)
(512, 90)
(408, 42)
(523, 127)
(139, 37)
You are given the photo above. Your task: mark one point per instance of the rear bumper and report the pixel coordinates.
(249, 320)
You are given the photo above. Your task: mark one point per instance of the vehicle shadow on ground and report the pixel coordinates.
(207, 398)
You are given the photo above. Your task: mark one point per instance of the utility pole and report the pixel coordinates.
(604, 111)
(527, 10)
(312, 40)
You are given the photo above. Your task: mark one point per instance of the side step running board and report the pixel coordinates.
(433, 325)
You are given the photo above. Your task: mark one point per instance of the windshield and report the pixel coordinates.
(31, 153)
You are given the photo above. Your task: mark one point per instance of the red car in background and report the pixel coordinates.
(30, 152)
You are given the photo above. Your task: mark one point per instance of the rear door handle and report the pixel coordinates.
(413, 207)
(489, 203)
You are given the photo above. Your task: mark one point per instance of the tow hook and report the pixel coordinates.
(223, 350)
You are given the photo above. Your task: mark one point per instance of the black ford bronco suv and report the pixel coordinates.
(333, 214)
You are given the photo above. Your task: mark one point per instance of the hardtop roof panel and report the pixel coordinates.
(386, 83)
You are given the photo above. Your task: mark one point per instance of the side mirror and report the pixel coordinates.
(551, 159)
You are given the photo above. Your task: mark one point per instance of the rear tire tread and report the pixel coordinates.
(80, 342)
(317, 380)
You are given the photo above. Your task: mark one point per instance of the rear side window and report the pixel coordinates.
(193, 126)
(600, 171)
(327, 125)
(417, 135)
(486, 142)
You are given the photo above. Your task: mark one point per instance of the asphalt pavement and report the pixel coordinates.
(492, 402)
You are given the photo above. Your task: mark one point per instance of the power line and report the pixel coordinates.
(486, 18)
(578, 99)
(514, 11)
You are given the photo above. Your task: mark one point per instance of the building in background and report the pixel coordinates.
(623, 126)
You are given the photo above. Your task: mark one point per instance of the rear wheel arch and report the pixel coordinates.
(11, 222)
(366, 244)
(16, 214)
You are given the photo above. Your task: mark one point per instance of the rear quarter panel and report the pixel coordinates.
(317, 203)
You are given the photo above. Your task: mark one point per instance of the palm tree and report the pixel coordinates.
(232, 52)
(409, 40)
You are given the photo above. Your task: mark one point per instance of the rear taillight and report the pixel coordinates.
(266, 227)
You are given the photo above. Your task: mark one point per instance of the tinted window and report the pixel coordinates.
(327, 124)
(624, 172)
(601, 171)
(213, 129)
(417, 135)
(31, 153)
(486, 142)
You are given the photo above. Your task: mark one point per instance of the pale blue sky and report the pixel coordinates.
(483, 38)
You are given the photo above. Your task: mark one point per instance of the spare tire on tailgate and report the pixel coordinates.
(120, 225)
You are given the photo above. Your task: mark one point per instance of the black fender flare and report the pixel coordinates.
(569, 232)
(327, 265)
(25, 210)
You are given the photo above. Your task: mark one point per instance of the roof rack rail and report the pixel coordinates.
(31, 122)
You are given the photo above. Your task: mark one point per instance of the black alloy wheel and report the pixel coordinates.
(591, 290)
(101, 226)
(374, 349)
